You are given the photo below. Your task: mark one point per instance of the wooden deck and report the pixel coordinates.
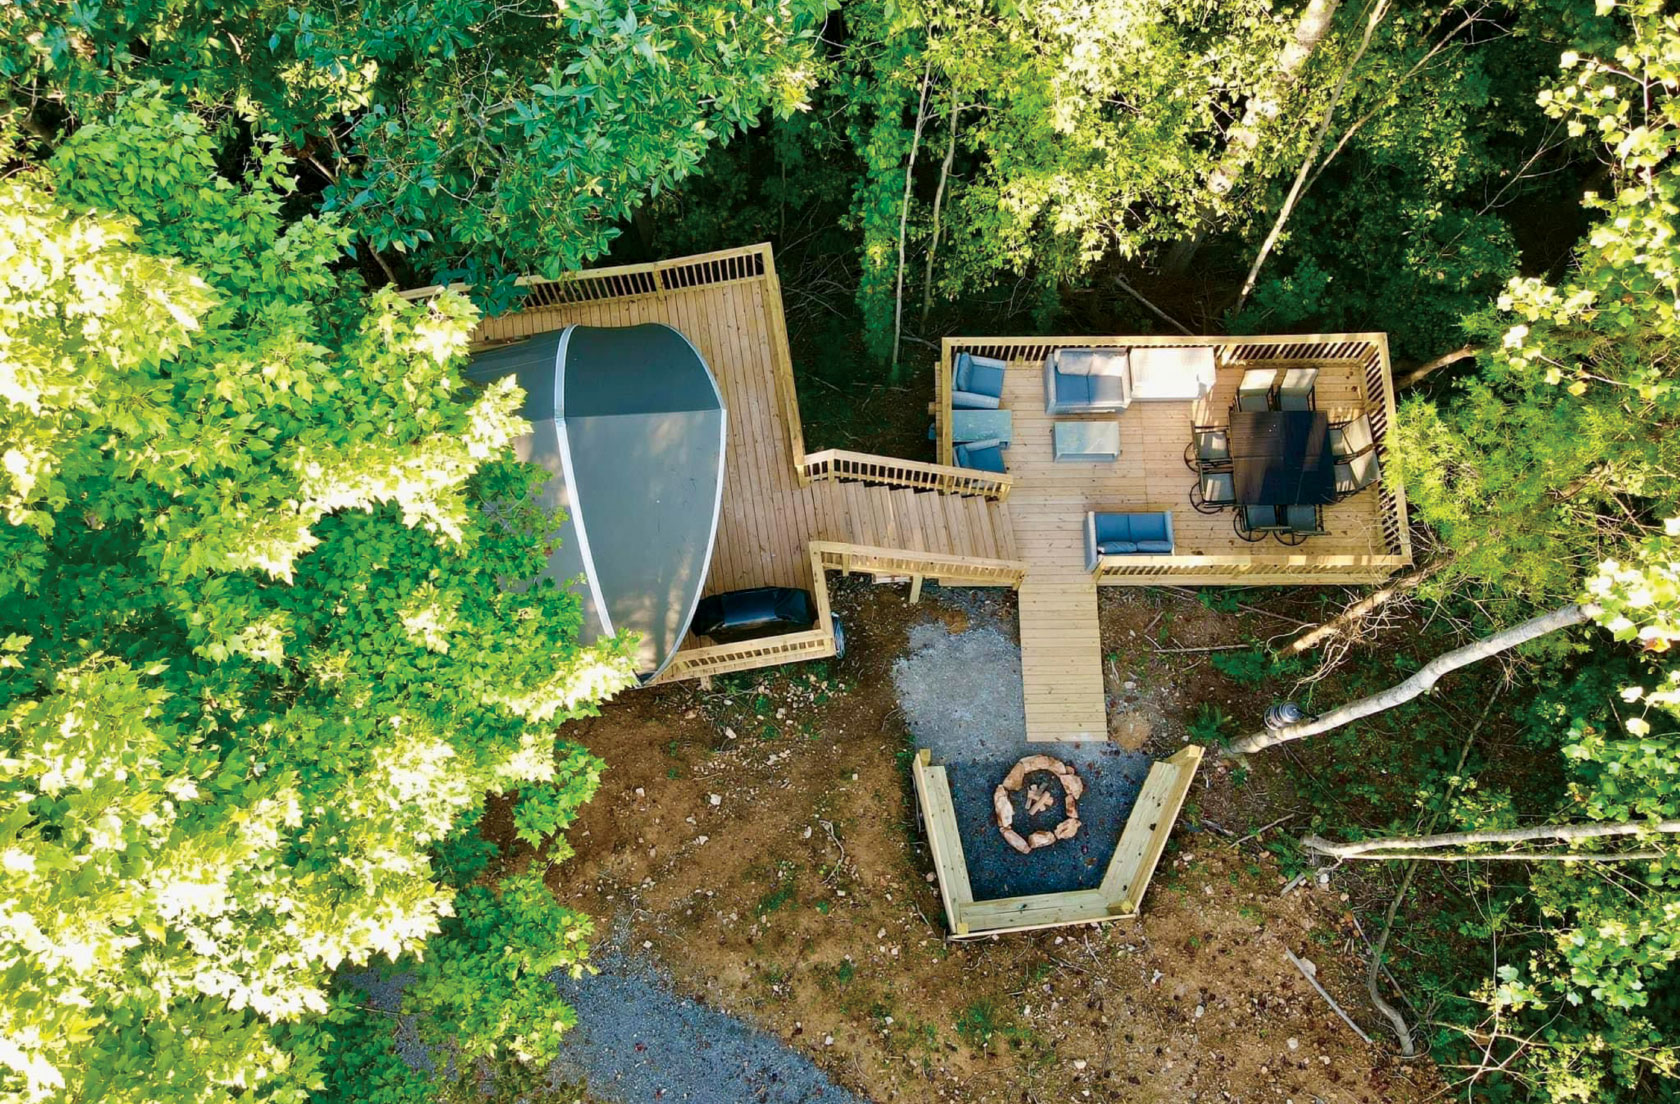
(1061, 655)
(777, 500)
(788, 516)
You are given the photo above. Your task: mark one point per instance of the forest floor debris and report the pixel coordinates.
(803, 904)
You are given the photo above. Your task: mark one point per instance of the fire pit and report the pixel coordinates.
(1039, 798)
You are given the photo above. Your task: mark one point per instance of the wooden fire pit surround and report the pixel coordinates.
(1136, 854)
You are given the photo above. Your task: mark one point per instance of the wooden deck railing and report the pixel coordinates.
(838, 464)
(1130, 869)
(1239, 570)
(955, 570)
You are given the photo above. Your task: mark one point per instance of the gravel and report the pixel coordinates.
(961, 698)
(637, 1041)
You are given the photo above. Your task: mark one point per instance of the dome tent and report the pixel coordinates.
(630, 424)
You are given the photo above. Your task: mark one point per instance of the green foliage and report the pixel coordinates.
(478, 136)
(259, 659)
(545, 810)
(1211, 725)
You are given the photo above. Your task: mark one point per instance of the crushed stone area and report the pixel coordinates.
(960, 693)
(637, 1041)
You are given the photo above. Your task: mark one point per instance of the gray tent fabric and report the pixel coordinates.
(630, 424)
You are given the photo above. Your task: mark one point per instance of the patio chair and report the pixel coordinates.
(1209, 448)
(1296, 390)
(1357, 474)
(1213, 492)
(1302, 522)
(1254, 522)
(986, 456)
(977, 383)
(1254, 393)
(1349, 439)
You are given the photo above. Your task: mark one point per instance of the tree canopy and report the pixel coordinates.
(260, 657)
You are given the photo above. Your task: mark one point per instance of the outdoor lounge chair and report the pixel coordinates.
(1209, 448)
(1296, 390)
(1349, 439)
(977, 383)
(1300, 523)
(984, 455)
(1254, 393)
(1147, 533)
(1357, 474)
(1215, 491)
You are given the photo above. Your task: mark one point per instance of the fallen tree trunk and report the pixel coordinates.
(1428, 367)
(1421, 682)
(1358, 611)
(1428, 847)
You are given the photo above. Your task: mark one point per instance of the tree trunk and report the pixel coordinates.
(938, 199)
(904, 212)
(1296, 189)
(1264, 106)
(1358, 611)
(1421, 682)
(1416, 375)
(1426, 847)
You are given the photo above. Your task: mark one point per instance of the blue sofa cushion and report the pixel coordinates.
(1116, 548)
(1154, 546)
(1148, 527)
(981, 459)
(969, 400)
(979, 375)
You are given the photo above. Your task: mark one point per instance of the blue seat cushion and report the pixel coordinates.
(970, 400)
(979, 376)
(981, 459)
(1154, 546)
(1116, 548)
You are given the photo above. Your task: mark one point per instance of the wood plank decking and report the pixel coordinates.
(785, 511)
(770, 514)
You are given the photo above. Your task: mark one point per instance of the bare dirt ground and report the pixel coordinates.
(756, 841)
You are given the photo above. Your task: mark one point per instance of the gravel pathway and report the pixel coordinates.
(961, 697)
(637, 1041)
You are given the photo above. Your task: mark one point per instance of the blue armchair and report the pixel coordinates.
(977, 383)
(984, 456)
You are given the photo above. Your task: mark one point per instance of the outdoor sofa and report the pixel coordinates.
(1099, 381)
(1147, 533)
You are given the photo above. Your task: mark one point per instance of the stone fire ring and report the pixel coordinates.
(1004, 808)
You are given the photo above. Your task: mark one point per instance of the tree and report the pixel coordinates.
(259, 657)
(481, 137)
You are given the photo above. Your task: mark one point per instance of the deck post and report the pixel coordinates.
(915, 589)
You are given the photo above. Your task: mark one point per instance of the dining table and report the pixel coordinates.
(1282, 458)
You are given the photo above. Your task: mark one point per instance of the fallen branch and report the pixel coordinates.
(1420, 683)
(1349, 618)
(1157, 311)
(1209, 648)
(1427, 846)
(1311, 975)
(1266, 828)
(1416, 375)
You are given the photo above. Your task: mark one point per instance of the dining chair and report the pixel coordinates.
(1296, 390)
(1358, 473)
(1254, 392)
(1349, 439)
(1254, 522)
(1213, 492)
(1209, 448)
(1302, 522)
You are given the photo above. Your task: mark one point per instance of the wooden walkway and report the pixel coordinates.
(769, 514)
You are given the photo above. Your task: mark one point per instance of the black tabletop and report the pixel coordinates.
(1282, 458)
